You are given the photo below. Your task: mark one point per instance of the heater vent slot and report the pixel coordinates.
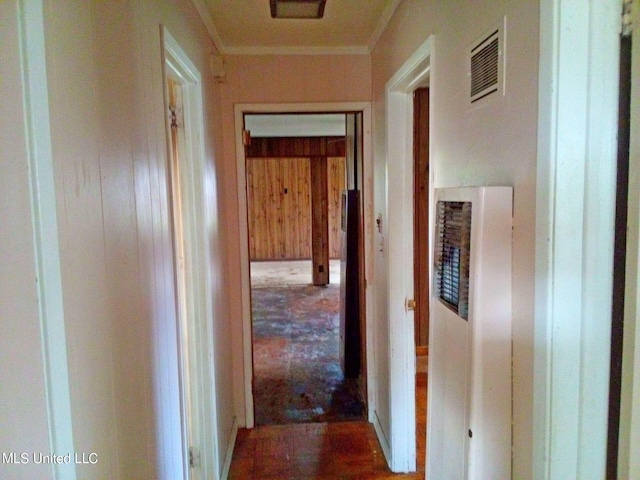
(452, 255)
(486, 66)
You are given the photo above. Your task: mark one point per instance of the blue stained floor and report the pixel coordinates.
(297, 374)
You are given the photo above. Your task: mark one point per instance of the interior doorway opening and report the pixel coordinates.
(407, 237)
(421, 266)
(421, 263)
(305, 266)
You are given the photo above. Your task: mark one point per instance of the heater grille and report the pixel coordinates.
(452, 256)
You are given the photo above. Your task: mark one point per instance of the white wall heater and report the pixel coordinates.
(470, 388)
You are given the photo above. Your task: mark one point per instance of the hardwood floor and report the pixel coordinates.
(322, 451)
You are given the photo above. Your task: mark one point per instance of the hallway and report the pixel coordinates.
(324, 451)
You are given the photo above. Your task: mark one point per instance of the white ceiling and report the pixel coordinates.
(246, 27)
(296, 125)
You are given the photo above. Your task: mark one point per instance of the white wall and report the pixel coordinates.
(493, 145)
(105, 89)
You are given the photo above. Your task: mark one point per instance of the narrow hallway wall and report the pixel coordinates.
(108, 134)
(491, 145)
(23, 413)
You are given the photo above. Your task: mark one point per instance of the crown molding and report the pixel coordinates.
(352, 50)
(382, 24)
(205, 15)
(223, 49)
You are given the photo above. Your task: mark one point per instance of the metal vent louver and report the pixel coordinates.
(452, 255)
(485, 66)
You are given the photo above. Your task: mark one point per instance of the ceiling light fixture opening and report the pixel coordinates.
(299, 9)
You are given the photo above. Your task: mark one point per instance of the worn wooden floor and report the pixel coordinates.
(322, 451)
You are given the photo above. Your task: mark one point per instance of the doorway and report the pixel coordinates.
(402, 218)
(624, 426)
(189, 214)
(241, 111)
(304, 269)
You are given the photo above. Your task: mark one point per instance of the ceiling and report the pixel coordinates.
(246, 27)
(296, 125)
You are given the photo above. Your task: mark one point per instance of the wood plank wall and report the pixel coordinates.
(336, 180)
(279, 207)
(279, 195)
(319, 221)
(296, 147)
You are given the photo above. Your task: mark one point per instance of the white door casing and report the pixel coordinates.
(195, 317)
(401, 451)
(245, 406)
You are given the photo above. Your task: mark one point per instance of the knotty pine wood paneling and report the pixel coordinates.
(280, 147)
(336, 176)
(279, 207)
(296, 207)
(319, 221)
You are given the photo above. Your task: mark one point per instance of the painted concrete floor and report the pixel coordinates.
(290, 272)
(297, 374)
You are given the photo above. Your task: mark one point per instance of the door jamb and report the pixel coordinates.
(575, 210)
(195, 333)
(37, 129)
(629, 438)
(246, 404)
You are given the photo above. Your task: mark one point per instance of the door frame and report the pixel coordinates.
(36, 126)
(629, 432)
(247, 355)
(195, 329)
(415, 72)
(575, 212)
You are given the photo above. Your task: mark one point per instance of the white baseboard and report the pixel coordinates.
(230, 446)
(384, 443)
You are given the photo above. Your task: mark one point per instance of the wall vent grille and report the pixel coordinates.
(486, 65)
(452, 255)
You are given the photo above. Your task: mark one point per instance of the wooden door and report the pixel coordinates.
(421, 214)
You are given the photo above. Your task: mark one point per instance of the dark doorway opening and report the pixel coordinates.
(620, 256)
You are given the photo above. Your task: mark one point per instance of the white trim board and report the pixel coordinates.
(197, 358)
(414, 73)
(45, 224)
(203, 11)
(386, 17)
(575, 205)
(291, 50)
(226, 466)
(246, 408)
(629, 456)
